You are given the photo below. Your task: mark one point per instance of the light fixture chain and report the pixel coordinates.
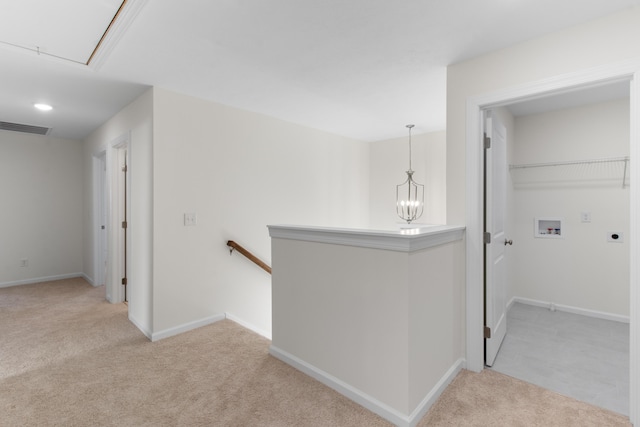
(410, 127)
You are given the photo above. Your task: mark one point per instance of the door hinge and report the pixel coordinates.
(124, 168)
(124, 280)
(124, 224)
(487, 142)
(486, 237)
(487, 332)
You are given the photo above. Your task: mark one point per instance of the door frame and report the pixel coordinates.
(474, 218)
(118, 148)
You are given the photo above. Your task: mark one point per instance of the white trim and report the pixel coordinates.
(474, 220)
(407, 240)
(363, 399)
(249, 326)
(89, 280)
(428, 401)
(341, 387)
(634, 249)
(114, 291)
(43, 279)
(155, 336)
(626, 70)
(570, 309)
(147, 333)
(129, 11)
(186, 327)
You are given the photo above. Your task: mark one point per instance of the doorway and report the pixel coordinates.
(569, 285)
(112, 194)
(100, 219)
(474, 202)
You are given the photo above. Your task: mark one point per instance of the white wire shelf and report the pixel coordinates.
(595, 171)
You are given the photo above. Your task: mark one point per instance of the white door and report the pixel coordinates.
(104, 248)
(496, 240)
(125, 220)
(118, 199)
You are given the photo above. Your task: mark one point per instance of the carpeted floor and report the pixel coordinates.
(493, 399)
(68, 358)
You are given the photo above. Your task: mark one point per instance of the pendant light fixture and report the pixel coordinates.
(409, 194)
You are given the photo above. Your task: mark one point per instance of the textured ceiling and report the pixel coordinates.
(358, 68)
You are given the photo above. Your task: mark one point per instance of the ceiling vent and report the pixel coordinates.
(17, 127)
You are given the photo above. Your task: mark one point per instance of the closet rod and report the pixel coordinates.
(574, 162)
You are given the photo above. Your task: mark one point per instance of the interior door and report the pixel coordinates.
(125, 216)
(104, 247)
(495, 238)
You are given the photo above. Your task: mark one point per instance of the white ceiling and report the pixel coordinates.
(69, 29)
(572, 98)
(358, 68)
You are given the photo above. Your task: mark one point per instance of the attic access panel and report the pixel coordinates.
(66, 29)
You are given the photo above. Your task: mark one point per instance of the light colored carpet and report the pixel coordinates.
(69, 358)
(494, 399)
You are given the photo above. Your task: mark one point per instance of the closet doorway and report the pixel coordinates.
(568, 278)
(610, 73)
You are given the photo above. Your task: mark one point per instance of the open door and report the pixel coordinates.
(117, 225)
(125, 215)
(100, 207)
(103, 249)
(495, 205)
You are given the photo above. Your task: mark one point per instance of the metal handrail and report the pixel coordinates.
(233, 245)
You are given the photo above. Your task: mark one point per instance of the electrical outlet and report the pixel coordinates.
(24, 262)
(585, 216)
(615, 236)
(190, 219)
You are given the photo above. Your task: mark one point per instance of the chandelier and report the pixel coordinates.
(409, 194)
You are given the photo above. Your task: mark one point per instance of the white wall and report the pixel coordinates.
(238, 171)
(601, 46)
(41, 188)
(582, 269)
(389, 159)
(605, 41)
(136, 121)
(381, 326)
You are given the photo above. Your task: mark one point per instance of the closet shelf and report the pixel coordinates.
(571, 162)
(622, 161)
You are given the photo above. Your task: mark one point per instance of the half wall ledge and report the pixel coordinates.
(374, 314)
(403, 240)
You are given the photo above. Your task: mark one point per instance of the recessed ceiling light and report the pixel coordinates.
(43, 107)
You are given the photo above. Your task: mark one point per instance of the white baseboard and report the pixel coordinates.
(249, 326)
(570, 309)
(435, 392)
(390, 414)
(138, 325)
(90, 280)
(155, 336)
(42, 279)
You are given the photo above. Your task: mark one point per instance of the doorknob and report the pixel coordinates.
(508, 242)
